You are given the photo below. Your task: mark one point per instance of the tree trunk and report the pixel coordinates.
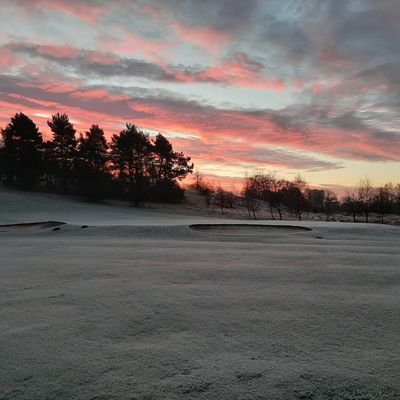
(272, 212)
(280, 213)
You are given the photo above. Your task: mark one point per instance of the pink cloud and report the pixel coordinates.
(130, 44)
(228, 137)
(53, 87)
(82, 10)
(98, 94)
(220, 125)
(239, 71)
(57, 51)
(205, 37)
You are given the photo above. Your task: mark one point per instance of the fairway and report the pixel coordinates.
(154, 309)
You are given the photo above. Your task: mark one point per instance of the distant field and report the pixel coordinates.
(125, 303)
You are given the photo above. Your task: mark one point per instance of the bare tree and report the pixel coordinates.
(268, 194)
(330, 202)
(316, 198)
(199, 181)
(396, 200)
(265, 188)
(220, 197)
(250, 197)
(295, 198)
(365, 196)
(230, 198)
(276, 199)
(351, 205)
(204, 188)
(384, 200)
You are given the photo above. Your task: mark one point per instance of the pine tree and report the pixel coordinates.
(63, 149)
(93, 150)
(91, 168)
(131, 153)
(169, 165)
(22, 151)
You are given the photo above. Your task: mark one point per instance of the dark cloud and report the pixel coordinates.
(95, 63)
(225, 15)
(106, 65)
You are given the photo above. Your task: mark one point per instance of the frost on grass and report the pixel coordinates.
(140, 306)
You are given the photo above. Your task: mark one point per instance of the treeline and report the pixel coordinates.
(131, 166)
(279, 197)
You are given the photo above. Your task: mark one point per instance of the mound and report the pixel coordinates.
(247, 229)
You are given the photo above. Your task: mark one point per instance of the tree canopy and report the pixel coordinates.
(132, 165)
(22, 151)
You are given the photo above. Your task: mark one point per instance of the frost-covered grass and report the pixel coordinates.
(140, 306)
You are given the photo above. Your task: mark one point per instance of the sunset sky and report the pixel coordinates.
(293, 86)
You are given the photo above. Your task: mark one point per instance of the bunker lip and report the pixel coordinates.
(42, 224)
(247, 229)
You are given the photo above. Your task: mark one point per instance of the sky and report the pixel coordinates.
(306, 87)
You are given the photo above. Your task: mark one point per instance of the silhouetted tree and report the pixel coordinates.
(396, 199)
(295, 198)
(168, 164)
(131, 153)
(92, 163)
(351, 205)
(250, 196)
(261, 189)
(270, 192)
(365, 196)
(22, 151)
(316, 198)
(204, 188)
(230, 198)
(330, 203)
(220, 198)
(295, 201)
(277, 196)
(132, 165)
(93, 149)
(2, 160)
(167, 168)
(383, 201)
(62, 149)
(198, 181)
